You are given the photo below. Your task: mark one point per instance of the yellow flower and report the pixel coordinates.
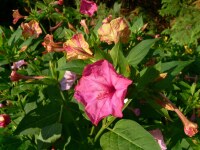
(114, 30)
(77, 48)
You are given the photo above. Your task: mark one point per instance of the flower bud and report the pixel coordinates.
(4, 120)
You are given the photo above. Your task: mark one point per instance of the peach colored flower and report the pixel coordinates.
(157, 134)
(77, 48)
(31, 29)
(102, 91)
(88, 7)
(4, 120)
(16, 16)
(50, 45)
(114, 31)
(84, 25)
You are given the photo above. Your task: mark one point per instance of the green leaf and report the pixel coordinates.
(75, 66)
(38, 118)
(128, 134)
(177, 66)
(119, 60)
(137, 25)
(148, 75)
(137, 54)
(51, 133)
(15, 36)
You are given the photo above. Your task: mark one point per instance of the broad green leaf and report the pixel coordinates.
(128, 135)
(119, 60)
(51, 133)
(137, 53)
(38, 118)
(75, 66)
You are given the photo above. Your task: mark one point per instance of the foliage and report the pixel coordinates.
(163, 69)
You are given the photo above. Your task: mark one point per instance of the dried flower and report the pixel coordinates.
(157, 134)
(31, 29)
(16, 76)
(77, 48)
(68, 80)
(4, 120)
(88, 7)
(18, 64)
(102, 91)
(50, 45)
(114, 31)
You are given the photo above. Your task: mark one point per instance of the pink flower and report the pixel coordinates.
(88, 7)
(50, 45)
(2, 105)
(4, 120)
(16, 16)
(77, 48)
(18, 64)
(60, 2)
(114, 31)
(31, 29)
(102, 91)
(157, 134)
(68, 80)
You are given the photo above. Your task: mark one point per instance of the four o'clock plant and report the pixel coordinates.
(74, 77)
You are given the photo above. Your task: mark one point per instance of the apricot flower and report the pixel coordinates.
(77, 48)
(114, 31)
(31, 29)
(4, 120)
(16, 16)
(88, 7)
(102, 91)
(50, 45)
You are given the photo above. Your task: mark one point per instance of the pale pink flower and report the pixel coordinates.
(157, 134)
(88, 7)
(18, 64)
(77, 48)
(114, 31)
(84, 25)
(68, 80)
(50, 45)
(4, 120)
(31, 29)
(16, 16)
(102, 91)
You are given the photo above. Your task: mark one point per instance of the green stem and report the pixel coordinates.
(61, 111)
